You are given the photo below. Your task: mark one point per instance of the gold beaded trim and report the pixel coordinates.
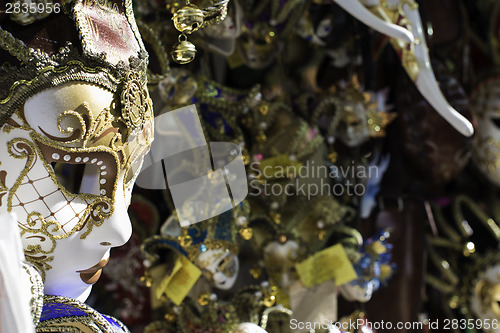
(93, 323)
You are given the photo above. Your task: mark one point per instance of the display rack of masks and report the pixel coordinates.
(317, 165)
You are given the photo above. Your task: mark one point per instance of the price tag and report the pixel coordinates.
(330, 263)
(178, 284)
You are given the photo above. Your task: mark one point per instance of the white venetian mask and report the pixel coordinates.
(67, 166)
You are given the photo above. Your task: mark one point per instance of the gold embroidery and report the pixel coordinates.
(20, 149)
(92, 322)
(36, 301)
(136, 106)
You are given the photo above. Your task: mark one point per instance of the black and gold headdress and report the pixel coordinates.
(84, 40)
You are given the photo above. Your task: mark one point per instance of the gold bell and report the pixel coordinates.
(184, 51)
(188, 19)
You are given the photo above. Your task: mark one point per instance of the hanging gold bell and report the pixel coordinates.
(188, 19)
(184, 51)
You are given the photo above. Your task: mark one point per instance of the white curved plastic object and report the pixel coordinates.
(356, 9)
(424, 79)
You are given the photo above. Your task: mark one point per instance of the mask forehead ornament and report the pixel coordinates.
(72, 115)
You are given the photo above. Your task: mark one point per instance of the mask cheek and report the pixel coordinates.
(10, 171)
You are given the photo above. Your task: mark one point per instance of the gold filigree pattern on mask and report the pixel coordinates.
(471, 289)
(3, 189)
(136, 105)
(91, 321)
(99, 207)
(36, 301)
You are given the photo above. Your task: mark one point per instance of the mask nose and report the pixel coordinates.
(117, 229)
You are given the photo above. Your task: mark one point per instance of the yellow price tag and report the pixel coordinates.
(178, 284)
(330, 263)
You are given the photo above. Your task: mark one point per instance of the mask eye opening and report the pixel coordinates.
(77, 178)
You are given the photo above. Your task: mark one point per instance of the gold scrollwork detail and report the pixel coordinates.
(99, 212)
(136, 104)
(20, 149)
(79, 133)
